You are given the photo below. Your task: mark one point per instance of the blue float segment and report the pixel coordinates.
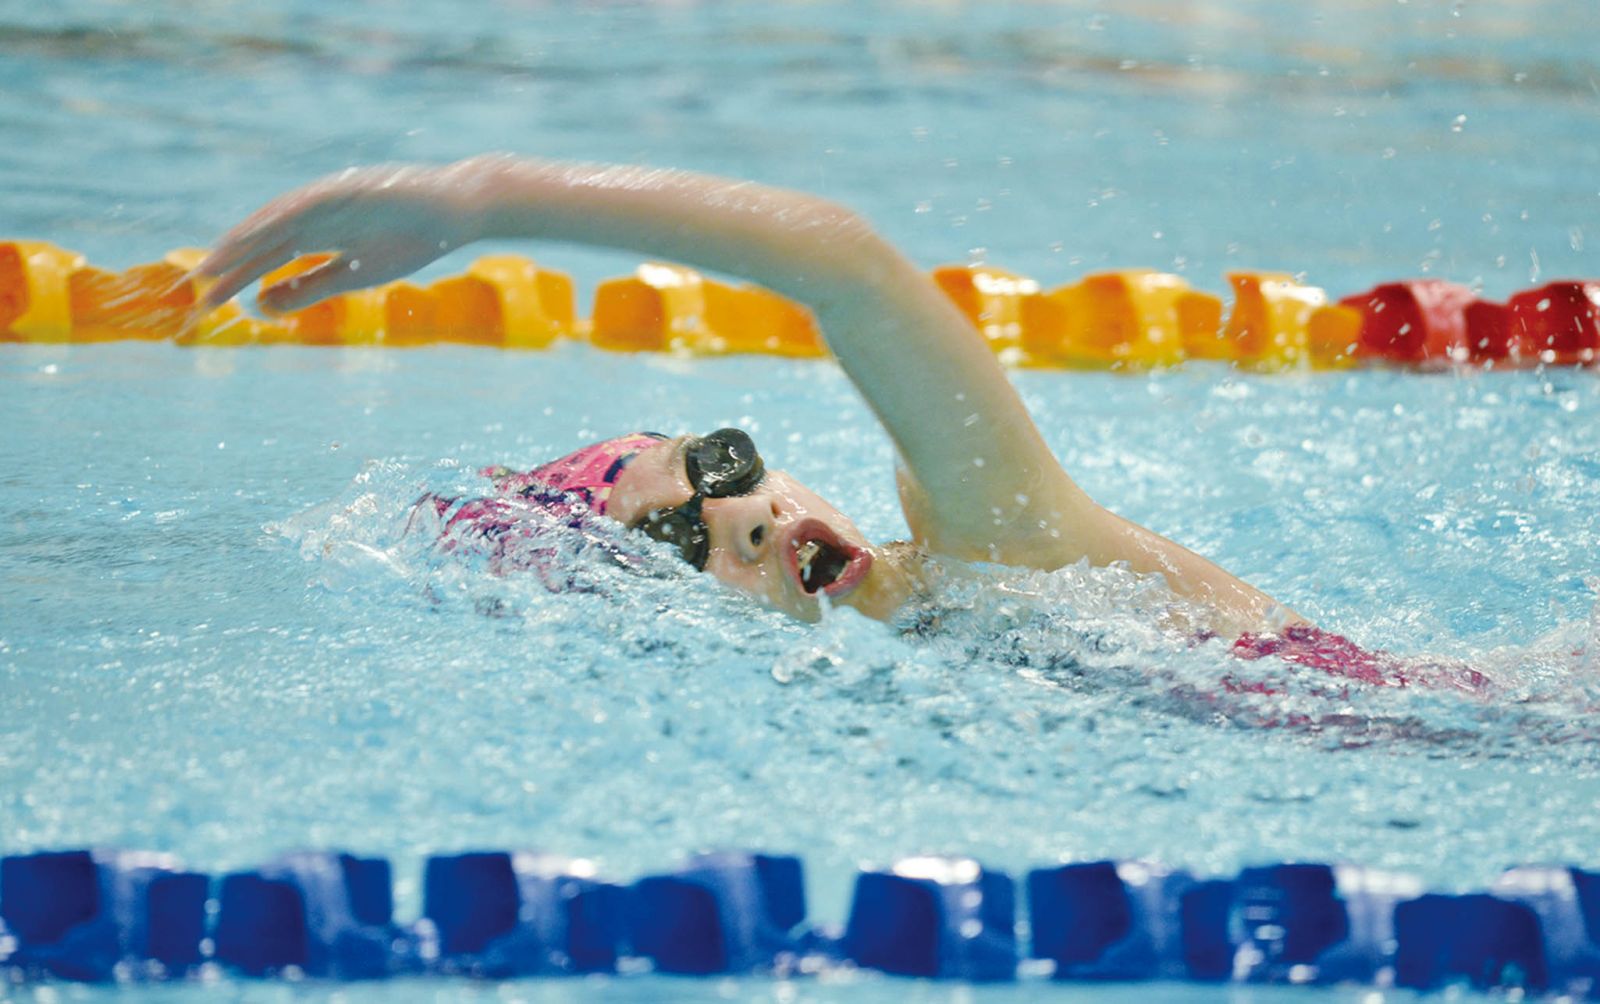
(1567, 903)
(323, 913)
(947, 918)
(1104, 920)
(1317, 923)
(101, 915)
(1481, 940)
(500, 914)
(728, 912)
(1206, 930)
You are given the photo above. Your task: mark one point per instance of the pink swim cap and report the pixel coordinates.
(586, 476)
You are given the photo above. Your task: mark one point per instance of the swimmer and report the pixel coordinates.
(976, 480)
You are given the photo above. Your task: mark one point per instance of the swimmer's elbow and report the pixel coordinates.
(839, 238)
(844, 243)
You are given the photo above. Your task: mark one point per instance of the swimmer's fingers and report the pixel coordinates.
(270, 237)
(348, 271)
(383, 222)
(236, 277)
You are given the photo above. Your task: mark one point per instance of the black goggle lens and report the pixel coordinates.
(724, 464)
(683, 529)
(721, 465)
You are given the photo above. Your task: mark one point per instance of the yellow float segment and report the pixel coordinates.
(35, 305)
(223, 325)
(992, 298)
(536, 306)
(558, 301)
(671, 308)
(1126, 318)
(1271, 313)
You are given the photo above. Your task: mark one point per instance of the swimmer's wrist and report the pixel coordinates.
(476, 187)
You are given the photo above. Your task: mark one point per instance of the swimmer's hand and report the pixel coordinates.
(380, 223)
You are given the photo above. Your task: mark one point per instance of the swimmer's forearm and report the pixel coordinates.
(793, 242)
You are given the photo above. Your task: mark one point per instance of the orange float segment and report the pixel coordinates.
(1271, 312)
(1557, 323)
(467, 309)
(153, 301)
(1333, 336)
(34, 300)
(410, 315)
(1046, 319)
(629, 316)
(659, 307)
(752, 319)
(991, 298)
(15, 297)
(89, 289)
(1102, 322)
(729, 322)
(791, 328)
(1200, 326)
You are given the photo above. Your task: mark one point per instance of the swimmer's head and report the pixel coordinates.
(713, 500)
(716, 504)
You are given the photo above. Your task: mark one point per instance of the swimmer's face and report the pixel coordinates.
(780, 543)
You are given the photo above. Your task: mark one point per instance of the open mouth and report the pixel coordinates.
(821, 562)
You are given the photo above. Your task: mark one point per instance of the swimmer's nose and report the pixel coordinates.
(745, 522)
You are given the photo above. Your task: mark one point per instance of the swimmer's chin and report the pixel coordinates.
(896, 575)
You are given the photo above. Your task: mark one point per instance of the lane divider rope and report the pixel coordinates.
(1129, 319)
(131, 916)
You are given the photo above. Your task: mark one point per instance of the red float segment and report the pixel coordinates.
(1488, 331)
(1557, 323)
(1416, 321)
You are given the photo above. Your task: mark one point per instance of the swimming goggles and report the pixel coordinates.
(720, 465)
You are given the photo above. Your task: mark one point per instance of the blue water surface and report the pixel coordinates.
(215, 638)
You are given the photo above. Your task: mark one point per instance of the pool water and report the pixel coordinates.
(216, 640)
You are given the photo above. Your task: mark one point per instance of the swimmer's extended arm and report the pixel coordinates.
(980, 481)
